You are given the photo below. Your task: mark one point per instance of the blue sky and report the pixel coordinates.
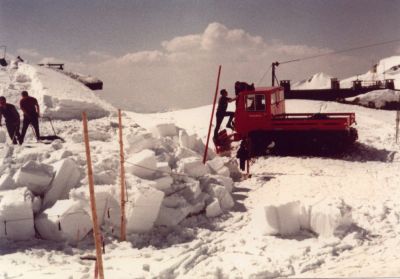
(86, 33)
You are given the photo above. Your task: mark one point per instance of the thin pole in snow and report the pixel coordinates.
(212, 115)
(122, 177)
(96, 231)
(397, 123)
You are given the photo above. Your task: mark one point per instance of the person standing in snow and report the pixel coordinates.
(221, 112)
(30, 108)
(12, 120)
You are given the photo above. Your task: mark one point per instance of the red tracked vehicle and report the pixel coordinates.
(260, 119)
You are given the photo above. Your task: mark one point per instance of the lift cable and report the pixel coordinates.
(341, 51)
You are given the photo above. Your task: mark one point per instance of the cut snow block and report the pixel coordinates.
(192, 190)
(66, 177)
(105, 201)
(213, 209)
(16, 215)
(163, 183)
(140, 141)
(171, 216)
(281, 219)
(35, 176)
(183, 152)
(330, 218)
(208, 179)
(224, 171)
(67, 220)
(221, 193)
(3, 136)
(193, 166)
(165, 130)
(163, 168)
(7, 182)
(142, 164)
(187, 141)
(142, 212)
(215, 164)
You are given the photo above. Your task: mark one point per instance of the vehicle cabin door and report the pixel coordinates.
(256, 110)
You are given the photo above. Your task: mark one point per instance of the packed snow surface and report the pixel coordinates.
(295, 217)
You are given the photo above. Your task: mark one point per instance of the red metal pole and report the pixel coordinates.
(212, 116)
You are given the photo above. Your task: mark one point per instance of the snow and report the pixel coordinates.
(36, 176)
(142, 164)
(376, 98)
(338, 215)
(317, 81)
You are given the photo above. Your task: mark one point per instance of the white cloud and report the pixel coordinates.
(182, 72)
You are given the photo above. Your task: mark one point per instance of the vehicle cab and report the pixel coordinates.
(255, 109)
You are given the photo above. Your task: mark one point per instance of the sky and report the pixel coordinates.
(160, 55)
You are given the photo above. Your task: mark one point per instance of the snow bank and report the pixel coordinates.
(326, 218)
(61, 97)
(16, 215)
(376, 98)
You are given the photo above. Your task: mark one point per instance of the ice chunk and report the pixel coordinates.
(165, 130)
(16, 215)
(143, 209)
(183, 152)
(193, 166)
(278, 219)
(164, 183)
(139, 141)
(221, 193)
(3, 136)
(330, 218)
(224, 171)
(163, 167)
(106, 202)
(66, 220)
(208, 179)
(66, 177)
(172, 216)
(142, 164)
(213, 209)
(215, 164)
(35, 176)
(192, 190)
(7, 182)
(187, 141)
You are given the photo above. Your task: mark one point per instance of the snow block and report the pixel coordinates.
(67, 220)
(183, 152)
(213, 209)
(164, 183)
(16, 211)
(171, 216)
(193, 166)
(278, 219)
(3, 136)
(66, 177)
(163, 167)
(224, 197)
(331, 218)
(192, 190)
(165, 130)
(215, 164)
(187, 141)
(140, 141)
(6, 182)
(208, 179)
(142, 212)
(142, 164)
(35, 176)
(105, 201)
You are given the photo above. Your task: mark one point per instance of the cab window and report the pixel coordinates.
(255, 102)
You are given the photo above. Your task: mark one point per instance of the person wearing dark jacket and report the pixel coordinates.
(221, 112)
(30, 108)
(11, 116)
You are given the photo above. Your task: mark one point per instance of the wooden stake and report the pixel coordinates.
(96, 231)
(212, 116)
(122, 176)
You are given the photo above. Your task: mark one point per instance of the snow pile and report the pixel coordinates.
(59, 96)
(377, 98)
(317, 81)
(326, 218)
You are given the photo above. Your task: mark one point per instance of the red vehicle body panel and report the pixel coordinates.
(264, 110)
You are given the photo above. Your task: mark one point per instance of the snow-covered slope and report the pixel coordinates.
(59, 96)
(317, 81)
(376, 98)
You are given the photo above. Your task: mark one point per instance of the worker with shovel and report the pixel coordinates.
(29, 105)
(12, 119)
